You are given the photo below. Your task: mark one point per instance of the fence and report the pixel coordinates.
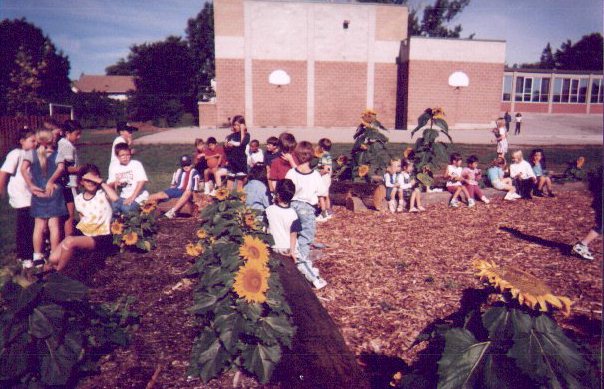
(10, 126)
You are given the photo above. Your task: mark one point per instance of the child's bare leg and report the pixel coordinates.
(548, 184)
(182, 200)
(541, 183)
(464, 190)
(418, 198)
(327, 202)
(158, 196)
(38, 237)
(55, 232)
(217, 177)
(457, 193)
(68, 225)
(240, 184)
(322, 204)
(60, 256)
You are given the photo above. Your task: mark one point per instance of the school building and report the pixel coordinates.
(311, 64)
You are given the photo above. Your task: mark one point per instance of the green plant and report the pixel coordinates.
(508, 343)
(50, 332)
(428, 148)
(244, 321)
(136, 229)
(369, 154)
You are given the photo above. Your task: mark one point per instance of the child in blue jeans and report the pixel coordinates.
(309, 185)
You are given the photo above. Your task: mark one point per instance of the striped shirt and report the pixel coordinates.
(184, 180)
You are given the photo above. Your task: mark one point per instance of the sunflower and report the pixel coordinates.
(242, 196)
(363, 170)
(202, 234)
(342, 160)
(408, 153)
(222, 194)
(130, 238)
(249, 219)
(528, 289)
(117, 227)
(254, 250)
(580, 162)
(251, 282)
(438, 113)
(148, 207)
(194, 250)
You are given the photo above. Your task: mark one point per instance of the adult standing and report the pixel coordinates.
(518, 123)
(508, 118)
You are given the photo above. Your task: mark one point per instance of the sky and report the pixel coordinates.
(97, 33)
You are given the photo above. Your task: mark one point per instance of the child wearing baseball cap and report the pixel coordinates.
(184, 181)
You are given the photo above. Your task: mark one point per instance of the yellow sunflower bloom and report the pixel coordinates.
(221, 194)
(117, 227)
(251, 282)
(342, 160)
(363, 170)
(249, 219)
(202, 234)
(148, 207)
(130, 238)
(408, 152)
(525, 287)
(254, 250)
(242, 196)
(194, 250)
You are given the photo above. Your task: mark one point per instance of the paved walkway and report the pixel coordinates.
(536, 130)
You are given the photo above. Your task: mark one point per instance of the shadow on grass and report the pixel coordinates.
(564, 248)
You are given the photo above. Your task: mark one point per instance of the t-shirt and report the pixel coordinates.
(254, 158)
(472, 175)
(282, 221)
(308, 185)
(257, 195)
(119, 139)
(538, 170)
(518, 119)
(454, 171)
(218, 151)
(495, 173)
(126, 177)
(95, 214)
(237, 160)
(279, 168)
(391, 179)
(68, 153)
(19, 195)
(325, 162)
(186, 180)
(523, 168)
(270, 157)
(405, 181)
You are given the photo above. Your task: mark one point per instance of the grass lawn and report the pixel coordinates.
(160, 161)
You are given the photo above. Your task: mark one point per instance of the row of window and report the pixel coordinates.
(565, 90)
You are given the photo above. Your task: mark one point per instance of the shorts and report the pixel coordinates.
(326, 178)
(69, 194)
(174, 193)
(102, 243)
(499, 185)
(502, 147)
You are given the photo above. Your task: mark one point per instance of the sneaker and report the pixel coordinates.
(538, 193)
(27, 263)
(38, 263)
(454, 204)
(509, 197)
(399, 208)
(583, 251)
(413, 210)
(485, 200)
(321, 218)
(421, 209)
(516, 195)
(319, 283)
(171, 214)
(471, 203)
(551, 194)
(392, 206)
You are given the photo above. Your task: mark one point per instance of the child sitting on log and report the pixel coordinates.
(471, 176)
(454, 181)
(184, 181)
(411, 192)
(392, 180)
(522, 174)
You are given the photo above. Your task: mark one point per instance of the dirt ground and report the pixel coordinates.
(389, 277)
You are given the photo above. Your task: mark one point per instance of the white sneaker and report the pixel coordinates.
(485, 200)
(583, 251)
(171, 214)
(509, 197)
(471, 203)
(321, 219)
(319, 283)
(414, 210)
(392, 206)
(516, 195)
(27, 263)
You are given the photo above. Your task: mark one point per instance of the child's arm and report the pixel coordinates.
(137, 191)
(50, 185)
(290, 158)
(35, 190)
(293, 240)
(3, 180)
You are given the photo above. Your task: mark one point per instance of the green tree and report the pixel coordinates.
(586, 54)
(121, 68)
(200, 36)
(20, 36)
(547, 60)
(23, 92)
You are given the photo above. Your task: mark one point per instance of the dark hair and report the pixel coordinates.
(255, 141)
(237, 119)
(89, 168)
(304, 151)
(258, 172)
(499, 161)
(273, 140)
(24, 133)
(199, 141)
(121, 147)
(211, 141)
(518, 114)
(535, 151)
(287, 142)
(471, 159)
(71, 126)
(285, 190)
(455, 157)
(406, 162)
(325, 144)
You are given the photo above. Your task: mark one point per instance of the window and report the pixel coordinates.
(596, 91)
(519, 88)
(544, 90)
(528, 89)
(536, 90)
(571, 90)
(507, 88)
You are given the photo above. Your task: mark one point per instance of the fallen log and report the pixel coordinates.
(319, 357)
(358, 196)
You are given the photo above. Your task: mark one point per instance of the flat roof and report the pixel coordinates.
(456, 39)
(556, 71)
(336, 2)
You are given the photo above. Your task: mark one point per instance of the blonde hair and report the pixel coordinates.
(44, 139)
(394, 160)
(518, 152)
(499, 122)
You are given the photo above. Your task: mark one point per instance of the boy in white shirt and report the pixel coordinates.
(283, 221)
(309, 185)
(130, 176)
(522, 174)
(254, 154)
(66, 147)
(124, 132)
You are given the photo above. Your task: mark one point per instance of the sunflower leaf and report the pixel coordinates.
(462, 358)
(261, 360)
(209, 356)
(498, 321)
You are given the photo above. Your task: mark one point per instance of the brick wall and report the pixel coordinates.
(506, 106)
(230, 88)
(596, 108)
(340, 93)
(569, 108)
(531, 107)
(384, 96)
(207, 114)
(279, 106)
(479, 103)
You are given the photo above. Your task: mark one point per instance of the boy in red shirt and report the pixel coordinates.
(284, 162)
(215, 160)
